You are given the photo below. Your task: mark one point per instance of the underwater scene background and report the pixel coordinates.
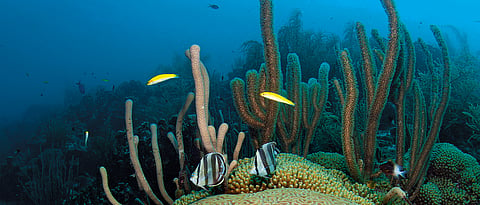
(280, 102)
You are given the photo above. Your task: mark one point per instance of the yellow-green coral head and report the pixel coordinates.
(276, 97)
(160, 78)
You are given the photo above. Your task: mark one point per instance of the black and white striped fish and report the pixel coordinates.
(264, 164)
(210, 171)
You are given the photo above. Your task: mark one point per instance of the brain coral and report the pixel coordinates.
(276, 196)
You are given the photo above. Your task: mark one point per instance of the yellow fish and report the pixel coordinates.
(276, 97)
(160, 78)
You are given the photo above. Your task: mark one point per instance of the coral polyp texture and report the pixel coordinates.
(276, 196)
(453, 178)
(296, 172)
(329, 160)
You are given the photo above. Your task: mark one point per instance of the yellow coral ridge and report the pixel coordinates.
(296, 172)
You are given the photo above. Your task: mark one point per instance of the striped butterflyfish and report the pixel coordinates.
(210, 171)
(264, 163)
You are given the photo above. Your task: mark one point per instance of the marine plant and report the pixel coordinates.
(269, 118)
(391, 81)
(457, 128)
(269, 79)
(473, 113)
(253, 58)
(50, 177)
(312, 47)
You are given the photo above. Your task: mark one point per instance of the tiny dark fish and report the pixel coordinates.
(392, 169)
(210, 171)
(265, 162)
(213, 6)
(81, 87)
(476, 21)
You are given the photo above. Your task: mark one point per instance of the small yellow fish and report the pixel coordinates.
(276, 97)
(105, 80)
(160, 78)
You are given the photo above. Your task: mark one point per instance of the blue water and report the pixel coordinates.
(63, 42)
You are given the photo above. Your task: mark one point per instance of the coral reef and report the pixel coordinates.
(294, 174)
(386, 70)
(297, 172)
